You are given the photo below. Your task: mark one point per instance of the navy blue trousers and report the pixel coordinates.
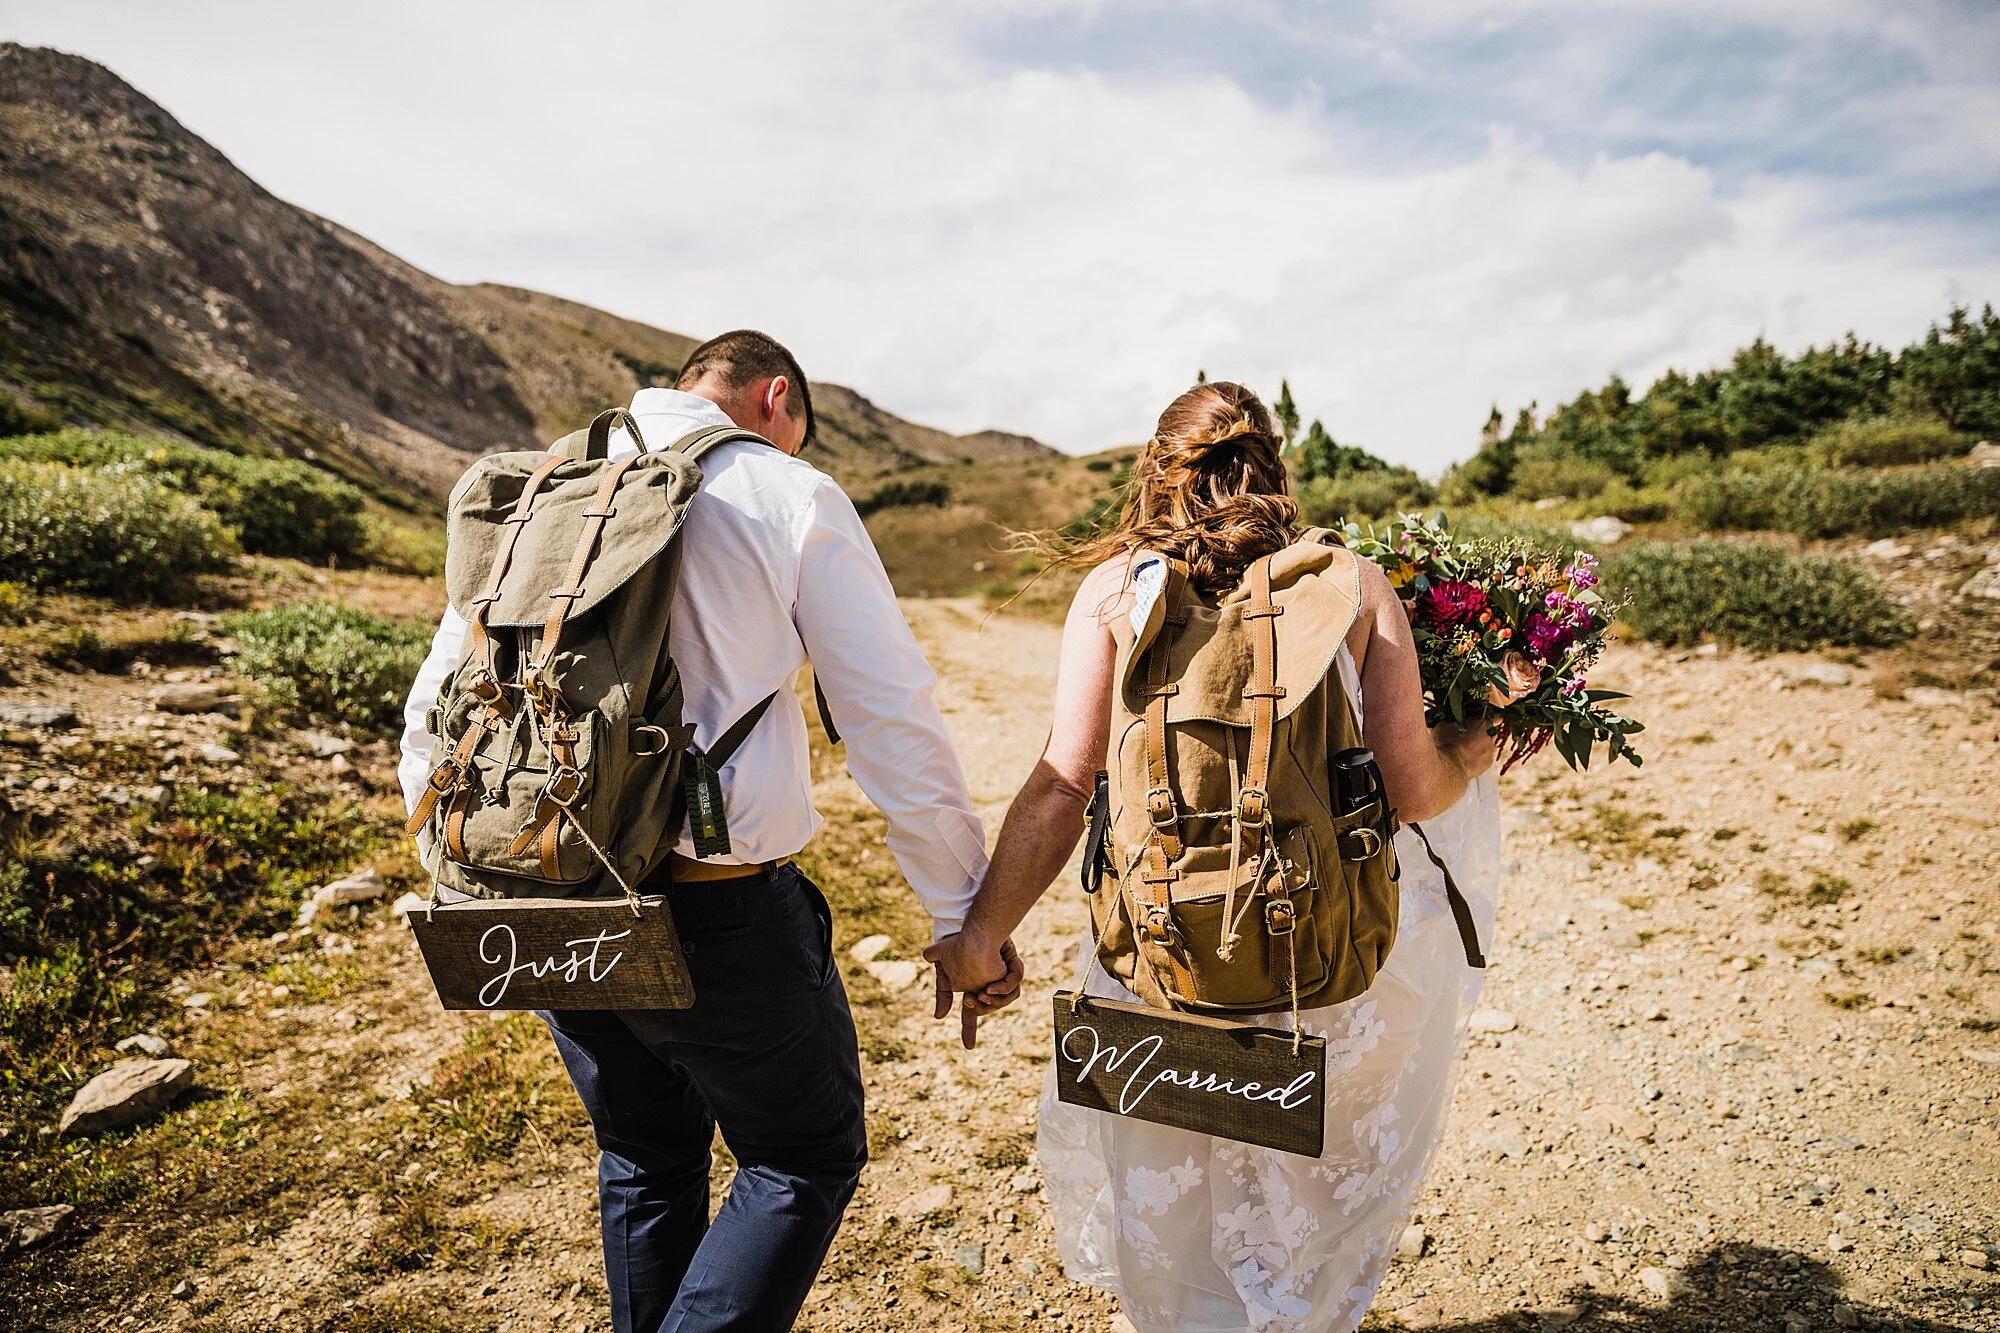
(767, 1053)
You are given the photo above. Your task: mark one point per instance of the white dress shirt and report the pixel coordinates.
(777, 569)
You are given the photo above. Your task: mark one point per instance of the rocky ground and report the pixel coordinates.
(1735, 1065)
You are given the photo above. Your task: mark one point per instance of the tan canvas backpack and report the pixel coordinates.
(564, 768)
(1240, 887)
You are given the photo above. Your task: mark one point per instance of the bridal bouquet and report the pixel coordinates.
(1506, 632)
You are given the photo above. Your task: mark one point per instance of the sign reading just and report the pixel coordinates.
(1209, 1075)
(554, 953)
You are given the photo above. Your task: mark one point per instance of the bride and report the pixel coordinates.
(1195, 1232)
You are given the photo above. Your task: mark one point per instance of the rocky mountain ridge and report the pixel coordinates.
(145, 280)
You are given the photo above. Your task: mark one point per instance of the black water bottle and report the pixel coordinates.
(1357, 780)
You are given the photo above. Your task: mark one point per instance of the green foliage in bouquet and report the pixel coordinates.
(1506, 633)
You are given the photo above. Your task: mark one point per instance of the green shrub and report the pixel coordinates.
(18, 418)
(276, 506)
(101, 531)
(905, 494)
(1363, 496)
(1543, 478)
(1814, 502)
(330, 661)
(1752, 594)
(1886, 442)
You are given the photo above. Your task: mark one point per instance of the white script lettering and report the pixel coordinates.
(1111, 1060)
(576, 965)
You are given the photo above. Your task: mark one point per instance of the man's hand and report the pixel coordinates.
(987, 975)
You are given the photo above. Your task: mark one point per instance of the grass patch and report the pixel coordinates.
(905, 495)
(1773, 883)
(1826, 890)
(1856, 829)
(1892, 953)
(330, 661)
(1751, 594)
(483, 1100)
(1836, 502)
(1847, 999)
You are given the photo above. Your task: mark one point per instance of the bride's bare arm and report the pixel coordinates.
(1424, 769)
(1046, 818)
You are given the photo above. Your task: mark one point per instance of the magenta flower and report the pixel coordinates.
(1452, 602)
(1582, 572)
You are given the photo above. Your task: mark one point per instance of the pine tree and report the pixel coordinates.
(1287, 412)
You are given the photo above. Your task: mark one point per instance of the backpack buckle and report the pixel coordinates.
(565, 784)
(1160, 808)
(444, 777)
(1159, 925)
(1253, 805)
(1280, 917)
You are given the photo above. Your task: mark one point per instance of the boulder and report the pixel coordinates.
(146, 1043)
(323, 745)
(1822, 673)
(1985, 584)
(49, 717)
(125, 1094)
(212, 753)
(868, 949)
(408, 903)
(1605, 529)
(196, 696)
(1410, 1246)
(24, 1227)
(363, 886)
(898, 975)
(1886, 549)
(1985, 454)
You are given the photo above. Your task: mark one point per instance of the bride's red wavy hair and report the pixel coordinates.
(1208, 488)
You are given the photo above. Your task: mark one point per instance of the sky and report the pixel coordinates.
(1046, 217)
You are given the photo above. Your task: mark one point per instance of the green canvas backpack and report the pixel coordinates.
(567, 769)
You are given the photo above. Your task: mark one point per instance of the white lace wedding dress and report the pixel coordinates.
(1200, 1233)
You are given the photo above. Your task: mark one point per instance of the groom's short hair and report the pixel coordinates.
(744, 356)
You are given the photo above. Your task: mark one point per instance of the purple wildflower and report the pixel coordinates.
(1582, 572)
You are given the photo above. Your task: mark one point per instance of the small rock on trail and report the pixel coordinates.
(1490, 1020)
(126, 1093)
(48, 717)
(146, 1043)
(24, 1227)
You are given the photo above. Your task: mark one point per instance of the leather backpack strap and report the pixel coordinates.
(1163, 845)
(594, 519)
(698, 442)
(1253, 799)
(1461, 910)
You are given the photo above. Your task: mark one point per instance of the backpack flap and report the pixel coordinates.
(652, 499)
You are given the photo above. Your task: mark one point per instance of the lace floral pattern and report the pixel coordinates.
(1197, 1232)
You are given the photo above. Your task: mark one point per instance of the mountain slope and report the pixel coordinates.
(145, 280)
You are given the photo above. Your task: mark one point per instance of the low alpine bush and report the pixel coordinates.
(1752, 594)
(98, 530)
(1834, 502)
(330, 661)
(277, 506)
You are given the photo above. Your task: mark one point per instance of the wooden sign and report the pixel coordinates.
(553, 953)
(1209, 1075)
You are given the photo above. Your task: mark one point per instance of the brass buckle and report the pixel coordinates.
(1252, 805)
(1160, 808)
(564, 785)
(483, 686)
(444, 777)
(1280, 917)
(1159, 927)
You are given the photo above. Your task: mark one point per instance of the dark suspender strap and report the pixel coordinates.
(739, 731)
(825, 713)
(1461, 910)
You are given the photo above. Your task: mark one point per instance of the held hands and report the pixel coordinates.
(987, 975)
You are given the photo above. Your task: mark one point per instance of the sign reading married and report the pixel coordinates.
(554, 953)
(1192, 1072)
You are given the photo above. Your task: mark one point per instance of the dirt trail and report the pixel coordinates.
(1739, 1069)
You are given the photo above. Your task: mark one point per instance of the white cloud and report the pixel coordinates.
(1049, 241)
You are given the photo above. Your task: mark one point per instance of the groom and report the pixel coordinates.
(777, 570)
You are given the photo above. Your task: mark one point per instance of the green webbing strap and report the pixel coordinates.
(738, 732)
(702, 776)
(696, 443)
